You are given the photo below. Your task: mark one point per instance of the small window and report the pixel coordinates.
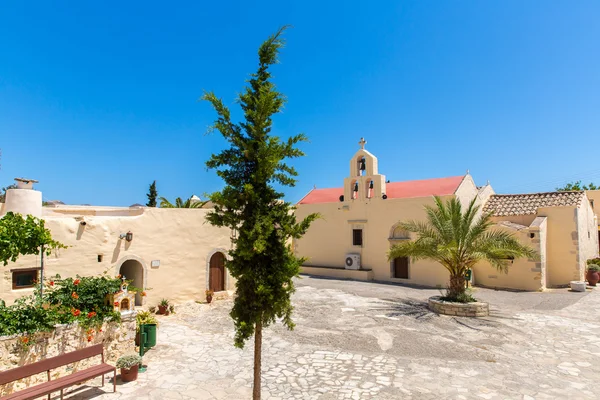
(24, 279)
(401, 267)
(100, 256)
(532, 235)
(357, 237)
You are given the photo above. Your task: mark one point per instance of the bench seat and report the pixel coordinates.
(46, 388)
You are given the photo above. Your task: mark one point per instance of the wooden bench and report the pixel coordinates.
(46, 388)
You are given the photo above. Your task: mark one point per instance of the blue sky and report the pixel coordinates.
(98, 99)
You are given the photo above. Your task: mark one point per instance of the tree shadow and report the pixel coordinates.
(402, 307)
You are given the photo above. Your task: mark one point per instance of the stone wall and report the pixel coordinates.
(118, 339)
(476, 309)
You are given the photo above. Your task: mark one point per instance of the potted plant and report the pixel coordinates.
(209, 295)
(149, 322)
(163, 306)
(592, 275)
(129, 367)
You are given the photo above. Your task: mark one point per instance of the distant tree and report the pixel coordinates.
(3, 192)
(179, 203)
(152, 194)
(262, 261)
(577, 187)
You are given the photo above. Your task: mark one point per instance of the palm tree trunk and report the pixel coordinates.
(457, 286)
(257, 360)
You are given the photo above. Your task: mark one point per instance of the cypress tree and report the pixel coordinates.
(261, 260)
(152, 194)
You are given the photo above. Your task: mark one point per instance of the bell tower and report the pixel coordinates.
(364, 182)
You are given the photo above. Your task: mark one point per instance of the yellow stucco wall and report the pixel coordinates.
(329, 239)
(180, 238)
(522, 273)
(588, 234)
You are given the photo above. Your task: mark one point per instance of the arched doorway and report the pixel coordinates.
(216, 272)
(133, 271)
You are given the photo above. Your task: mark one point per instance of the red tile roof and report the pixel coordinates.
(394, 190)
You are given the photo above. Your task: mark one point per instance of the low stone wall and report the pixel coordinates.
(476, 309)
(118, 339)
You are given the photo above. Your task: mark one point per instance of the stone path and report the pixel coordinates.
(386, 346)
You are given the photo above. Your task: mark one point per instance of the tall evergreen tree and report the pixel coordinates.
(152, 194)
(261, 261)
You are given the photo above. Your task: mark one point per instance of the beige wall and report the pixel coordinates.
(180, 238)
(562, 243)
(329, 239)
(522, 273)
(588, 234)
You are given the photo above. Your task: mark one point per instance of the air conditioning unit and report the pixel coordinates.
(352, 261)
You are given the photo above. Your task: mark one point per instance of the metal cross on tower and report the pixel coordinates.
(362, 143)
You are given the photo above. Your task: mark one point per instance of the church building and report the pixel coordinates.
(359, 225)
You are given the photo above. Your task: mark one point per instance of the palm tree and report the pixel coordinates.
(192, 202)
(458, 241)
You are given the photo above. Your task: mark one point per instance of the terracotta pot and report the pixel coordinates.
(208, 298)
(163, 309)
(129, 374)
(592, 277)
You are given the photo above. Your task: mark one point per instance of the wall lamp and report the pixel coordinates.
(127, 236)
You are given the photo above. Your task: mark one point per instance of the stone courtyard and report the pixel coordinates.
(358, 340)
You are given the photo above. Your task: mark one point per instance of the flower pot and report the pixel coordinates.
(129, 374)
(208, 298)
(163, 309)
(592, 277)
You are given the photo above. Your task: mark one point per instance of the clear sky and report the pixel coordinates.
(98, 99)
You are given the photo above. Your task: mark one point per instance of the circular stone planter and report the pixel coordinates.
(475, 309)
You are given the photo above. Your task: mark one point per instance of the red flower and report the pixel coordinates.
(99, 330)
(90, 338)
(76, 282)
(119, 276)
(75, 312)
(51, 283)
(116, 304)
(91, 314)
(25, 340)
(74, 295)
(143, 294)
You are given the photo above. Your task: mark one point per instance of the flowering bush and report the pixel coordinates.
(65, 301)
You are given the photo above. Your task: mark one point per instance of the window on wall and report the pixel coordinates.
(357, 237)
(401, 267)
(24, 279)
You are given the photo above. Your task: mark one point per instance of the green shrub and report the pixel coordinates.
(128, 361)
(464, 297)
(593, 261)
(65, 301)
(145, 318)
(593, 267)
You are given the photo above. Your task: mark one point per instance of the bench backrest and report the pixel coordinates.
(49, 363)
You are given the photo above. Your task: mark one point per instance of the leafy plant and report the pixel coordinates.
(24, 236)
(262, 262)
(128, 361)
(145, 318)
(593, 267)
(593, 261)
(164, 303)
(152, 310)
(172, 309)
(179, 203)
(209, 293)
(458, 240)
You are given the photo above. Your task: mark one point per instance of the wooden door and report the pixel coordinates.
(401, 267)
(217, 272)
